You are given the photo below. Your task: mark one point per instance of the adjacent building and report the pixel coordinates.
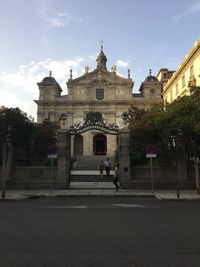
(184, 78)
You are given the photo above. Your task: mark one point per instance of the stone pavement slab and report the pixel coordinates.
(172, 195)
(101, 189)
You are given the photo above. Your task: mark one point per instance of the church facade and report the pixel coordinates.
(99, 91)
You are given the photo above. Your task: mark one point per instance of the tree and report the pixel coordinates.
(182, 117)
(44, 136)
(162, 126)
(145, 131)
(21, 127)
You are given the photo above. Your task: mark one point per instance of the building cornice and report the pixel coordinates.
(188, 57)
(93, 102)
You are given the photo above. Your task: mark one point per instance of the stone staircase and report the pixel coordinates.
(38, 183)
(91, 162)
(40, 178)
(90, 178)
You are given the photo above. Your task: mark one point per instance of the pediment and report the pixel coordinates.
(99, 76)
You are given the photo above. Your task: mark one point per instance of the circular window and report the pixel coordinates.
(152, 91)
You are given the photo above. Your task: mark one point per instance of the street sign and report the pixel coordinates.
(52, 156)
(52, 152)
(151, 155)
(52, 149)
(150, 149)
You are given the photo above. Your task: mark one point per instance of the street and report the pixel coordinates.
(99, 231)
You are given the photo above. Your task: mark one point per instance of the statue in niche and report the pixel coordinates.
(63, 121)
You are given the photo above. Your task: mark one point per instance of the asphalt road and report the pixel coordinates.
(100, 231)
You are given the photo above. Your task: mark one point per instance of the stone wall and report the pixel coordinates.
(33, 178)
(40, 178)
(163, 178)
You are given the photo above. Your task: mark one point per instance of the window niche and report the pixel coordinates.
(99, 93)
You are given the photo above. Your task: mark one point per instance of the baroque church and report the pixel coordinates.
(99, 91)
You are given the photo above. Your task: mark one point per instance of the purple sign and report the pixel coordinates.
(52, 150)
(150, 149)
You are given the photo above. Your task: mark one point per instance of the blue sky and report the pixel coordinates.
(41, 35)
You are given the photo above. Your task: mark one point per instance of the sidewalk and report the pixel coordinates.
(100, 189)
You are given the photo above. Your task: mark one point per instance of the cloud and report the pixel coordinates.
(9, 99)
(20, 88)
(60, 21)
(193, 9)
(122, 64)
(57, 19)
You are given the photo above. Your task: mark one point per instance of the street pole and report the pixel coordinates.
(151, 166)
(196, 163)
(52, 177)
(4, 160)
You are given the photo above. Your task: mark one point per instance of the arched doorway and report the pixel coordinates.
(100, 144)
(78, 145)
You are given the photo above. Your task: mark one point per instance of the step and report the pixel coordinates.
(91, 178)
(90, 162)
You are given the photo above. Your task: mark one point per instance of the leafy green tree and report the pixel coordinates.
(134, 116)
(30, 140)
(44, 136)
(182, 117)
(145, 131)
(21, 125)
(161, 127)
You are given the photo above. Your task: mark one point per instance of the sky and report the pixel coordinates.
(37, 36)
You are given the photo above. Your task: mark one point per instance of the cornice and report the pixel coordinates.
(188, 58)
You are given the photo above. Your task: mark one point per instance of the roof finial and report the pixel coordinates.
(50, 73)
(70, 74)
(86, 69)
(101, 42)
(129, 73)
(150, 71)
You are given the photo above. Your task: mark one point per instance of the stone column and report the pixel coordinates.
(124, 156)
(87, 143)
(9, 162)
(72, 145)
(64, 155)
(111, 144)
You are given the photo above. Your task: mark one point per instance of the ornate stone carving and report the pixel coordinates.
(94, 120)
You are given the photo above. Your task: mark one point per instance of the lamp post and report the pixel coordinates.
(4, 160)
(6, 157)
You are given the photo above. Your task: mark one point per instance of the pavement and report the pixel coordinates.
(100, 189)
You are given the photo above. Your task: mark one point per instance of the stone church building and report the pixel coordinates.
(100, 91)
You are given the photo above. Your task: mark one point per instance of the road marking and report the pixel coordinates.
(68, 207)
(131, 206)
(101, 206)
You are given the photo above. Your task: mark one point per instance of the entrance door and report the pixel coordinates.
(100, 144)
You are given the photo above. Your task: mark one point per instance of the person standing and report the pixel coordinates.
(101, 168)
(116, 177)
(107, 164)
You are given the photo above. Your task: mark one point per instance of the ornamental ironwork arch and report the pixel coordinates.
(94, 121)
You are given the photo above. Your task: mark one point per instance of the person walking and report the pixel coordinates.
(101, 168)
(116, 177)
(107, 164)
